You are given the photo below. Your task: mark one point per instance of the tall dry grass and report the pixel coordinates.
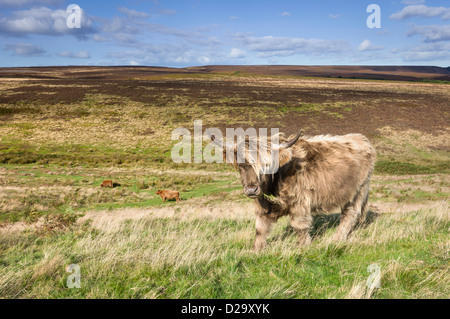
(121, 250)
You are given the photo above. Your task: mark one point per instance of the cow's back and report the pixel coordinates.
(332, 168)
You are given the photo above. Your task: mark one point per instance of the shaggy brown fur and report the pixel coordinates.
(108, 183)
(320, 173)
(165, 194)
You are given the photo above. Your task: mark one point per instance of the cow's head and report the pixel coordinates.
(251, 168)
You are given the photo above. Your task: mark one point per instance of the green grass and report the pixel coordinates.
(404, 168)
(201, 258)
(434, 81)
(43, 190)
(50, 175)
(18, 152)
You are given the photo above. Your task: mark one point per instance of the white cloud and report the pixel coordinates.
(99, 38)
(28, 3)
(44, 21)
(412, 2)
(193, 37)
(284, 46)
(334, 16)
(285, 14)
(236, 53)
(427, 52)
(366, 45)
(77, 55)
(204, 60)
(234, 18)
(25, 49)
(119, 24)
(167, 12)
(422, 11)
(124, 38)
(186, 57)
(168, 54)
(133, 14)
(432, 33)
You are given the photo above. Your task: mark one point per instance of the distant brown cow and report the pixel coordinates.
(168, 195)
(108, 183)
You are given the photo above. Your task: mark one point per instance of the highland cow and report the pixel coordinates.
(320, 173)
(108, 183)
(167, 195)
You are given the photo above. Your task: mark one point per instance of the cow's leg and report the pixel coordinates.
(301, 220)
(364, 203)
(349, 217)
(263, 227)
(352, 213)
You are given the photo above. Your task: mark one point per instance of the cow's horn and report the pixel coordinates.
(221, 143)
(216, 141)
(289, 143)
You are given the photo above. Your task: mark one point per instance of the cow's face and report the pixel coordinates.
(158, 192)
(250, 180)
(250, 169)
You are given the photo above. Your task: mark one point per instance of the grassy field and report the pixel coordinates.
(59, 139)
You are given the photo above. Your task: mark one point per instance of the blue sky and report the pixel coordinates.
(203, 32)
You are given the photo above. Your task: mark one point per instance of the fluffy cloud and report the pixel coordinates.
(427, 52)
(99, 38)
(366, 45)
(124, 38)
(204, 60)
(133, 14)
(283, 46)
(422, 11)
(167, 12)
(119, 24)
(43, 21)
(77, 55)
(125, 30)
(412, 2)
(432, 33)
(28, 3)
(237, 53)
(25, 49)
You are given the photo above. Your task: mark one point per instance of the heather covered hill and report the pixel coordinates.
(395, 73)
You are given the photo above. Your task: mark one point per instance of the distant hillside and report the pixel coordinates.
(396, 73)
(404, 73)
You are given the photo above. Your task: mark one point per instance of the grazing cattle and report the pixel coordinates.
(165, 194)
(319, 173)
(108, 183)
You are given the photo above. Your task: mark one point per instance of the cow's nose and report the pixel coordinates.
(251, 191)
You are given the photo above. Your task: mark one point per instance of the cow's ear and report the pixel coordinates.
(284, 156)
(230, 157)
